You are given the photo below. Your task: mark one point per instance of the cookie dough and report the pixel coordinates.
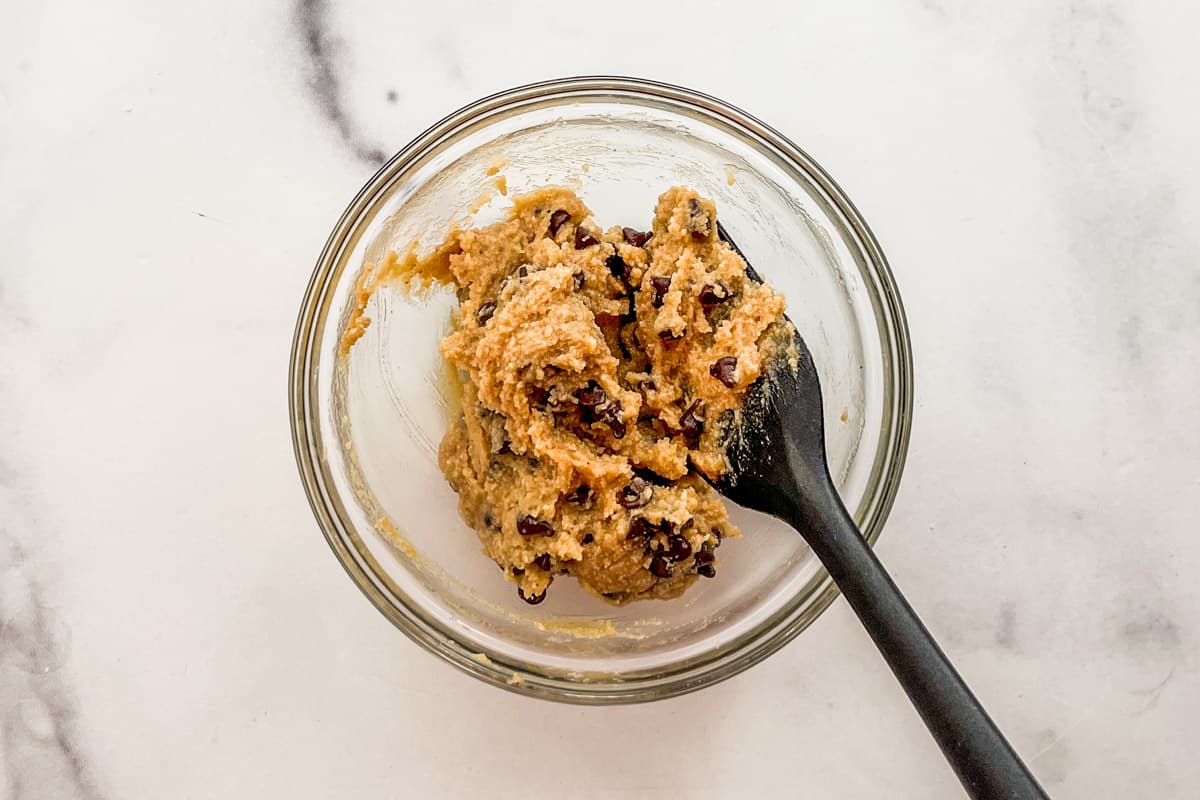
(598, 368)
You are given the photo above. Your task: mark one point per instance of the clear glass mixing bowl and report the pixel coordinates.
(366, 427)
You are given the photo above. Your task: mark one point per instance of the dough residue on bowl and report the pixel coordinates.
(599, 369)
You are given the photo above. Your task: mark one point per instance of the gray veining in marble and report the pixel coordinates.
(323, 50)
(39, 754)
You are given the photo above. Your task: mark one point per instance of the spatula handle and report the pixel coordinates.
(985, 762)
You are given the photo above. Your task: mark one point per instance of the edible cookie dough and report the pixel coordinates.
(598, 369)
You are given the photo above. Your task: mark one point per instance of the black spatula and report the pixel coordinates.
(777, 454)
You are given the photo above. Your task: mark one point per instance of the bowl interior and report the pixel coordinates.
(382, 411)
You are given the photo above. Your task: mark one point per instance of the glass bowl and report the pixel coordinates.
(366, 426)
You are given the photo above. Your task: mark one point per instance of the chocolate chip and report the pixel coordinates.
(592, 395)
(698, 221)
(717, 532)
(532, 526)
(669, 338)
(725, 370)
(579, 494)
(678, 548)
(584, 239)
(704, 563)
(704, 556)
(533, 600)
(587, 539)
(661, 285)
(707, 570)
(579, 280)
(659, 566)
(637, 493)
(518, 571)
(713, 295)
(557, 219)
(634, 237)
(522, 272)
(617, 266)
(692, 423)
(543, 561)
(485, 313)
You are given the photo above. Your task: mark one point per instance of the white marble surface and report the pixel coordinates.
(173, 625)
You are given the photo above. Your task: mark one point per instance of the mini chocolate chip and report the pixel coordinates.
(533, 600)
(579, 494)
(637, 493)
(579, 280)
(707, 570)
(485, 313)
(660, 566)
(617, 266)
(543, 561)
(587, 539)
(713, 295)
(584, 239)
(522, 272)
(661, 285)
(532, 526)
(687, 526)
(678, 548)
(692, 423)
(725, 370)
(609, 413)
(704, 556)
(698, 221)
(592, 395)
(635, 237)
(557, 219)
(518, 571)
(717, 532)
(669, 338)
(641, 527)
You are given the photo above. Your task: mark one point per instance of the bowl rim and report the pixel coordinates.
(737, 655)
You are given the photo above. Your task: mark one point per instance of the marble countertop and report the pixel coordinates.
(171, 621)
